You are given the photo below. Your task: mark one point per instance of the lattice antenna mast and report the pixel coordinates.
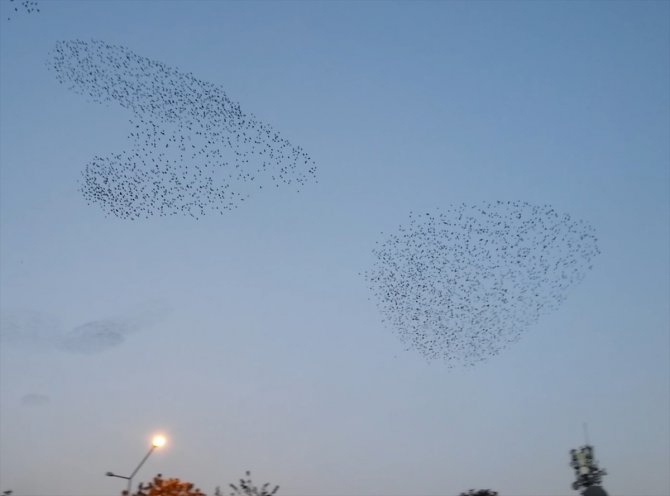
(587, 472)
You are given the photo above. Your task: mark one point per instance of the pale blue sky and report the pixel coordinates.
(273, 357)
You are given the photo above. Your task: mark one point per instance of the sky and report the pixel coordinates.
(251, 338)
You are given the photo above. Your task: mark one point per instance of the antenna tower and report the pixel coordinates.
(588, 476)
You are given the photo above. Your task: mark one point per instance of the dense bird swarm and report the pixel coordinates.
(461, 284)
(25, 6)
(95, 336)
(192, 149)
(39, 331)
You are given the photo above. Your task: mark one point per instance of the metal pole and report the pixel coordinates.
(586, 432)
(130, 478)
(111, 474)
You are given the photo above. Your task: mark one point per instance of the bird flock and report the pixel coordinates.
(35, 330)
(192, 149)
(457, 285)
(25, 6)
(460, 285)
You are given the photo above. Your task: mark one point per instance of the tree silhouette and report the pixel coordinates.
(480, 492)
(167, 487)
(247, 488)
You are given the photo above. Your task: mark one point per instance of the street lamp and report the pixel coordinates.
(158, 441)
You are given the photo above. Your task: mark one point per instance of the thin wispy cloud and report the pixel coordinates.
(34, 400)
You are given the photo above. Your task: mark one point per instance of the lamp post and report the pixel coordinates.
(156, 442)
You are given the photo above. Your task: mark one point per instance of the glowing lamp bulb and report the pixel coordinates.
(158, 441)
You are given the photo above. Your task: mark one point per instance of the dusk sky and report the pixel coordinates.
(253, 338)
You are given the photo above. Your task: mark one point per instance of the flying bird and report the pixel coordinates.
(462, 284)
(192, 150)
(25, 6)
